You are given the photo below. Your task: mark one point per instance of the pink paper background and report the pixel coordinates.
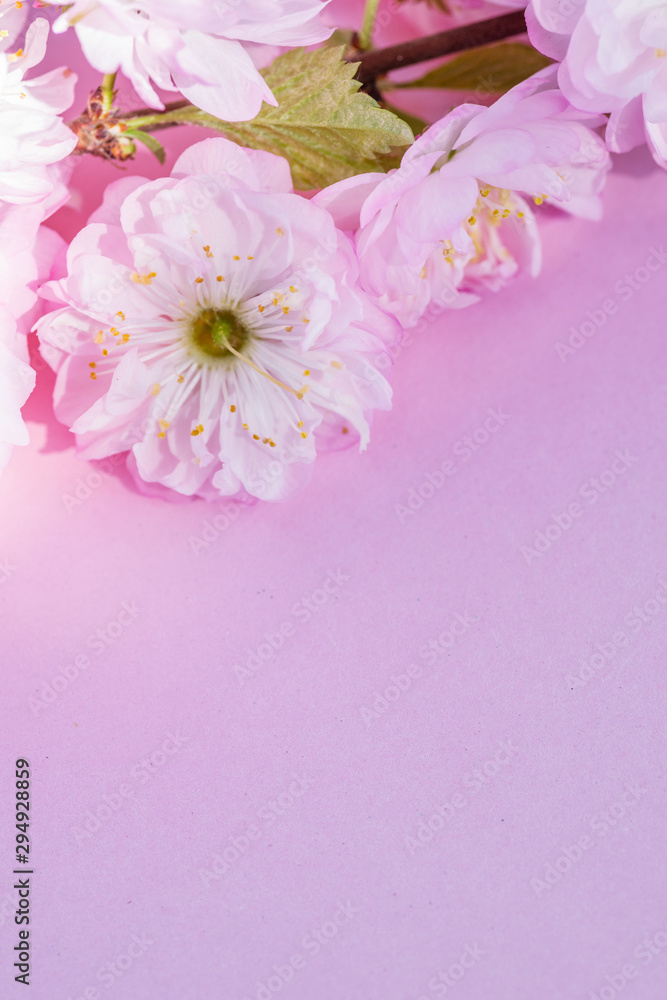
(370, 781)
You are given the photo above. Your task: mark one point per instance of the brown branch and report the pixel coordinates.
(170, 106)
(470, 36)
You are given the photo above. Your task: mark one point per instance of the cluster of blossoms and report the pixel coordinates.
(221, 328)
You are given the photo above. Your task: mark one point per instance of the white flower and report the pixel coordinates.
(212, 324)
(33, 143)
(33, 137)
(195, 47)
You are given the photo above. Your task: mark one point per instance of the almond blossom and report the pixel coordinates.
(613, 60)
(211, 323)
(455, 218)
(196, 48)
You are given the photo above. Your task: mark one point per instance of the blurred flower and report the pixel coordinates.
(34, 141)
(212, 323)
(33, 136)
(26, 254)
(400, 19)
(195, 47)
(614, 59)
(12, 19)
(17, 380)
(453, 219)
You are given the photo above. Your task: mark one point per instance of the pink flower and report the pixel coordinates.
(614, 59)
(33, 137)
(212, 323)
(453, 219)
(195, 47)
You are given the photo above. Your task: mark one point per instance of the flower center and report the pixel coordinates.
(218, 334)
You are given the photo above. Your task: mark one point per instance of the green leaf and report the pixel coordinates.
(491, 69)
(149, 141)
(323, 126)
(418, 125)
